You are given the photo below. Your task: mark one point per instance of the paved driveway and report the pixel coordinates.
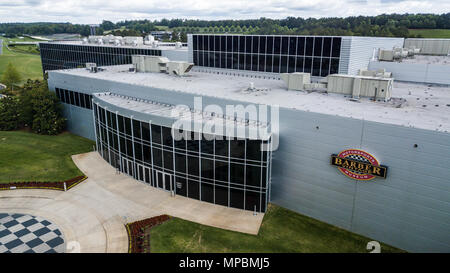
(92, 215)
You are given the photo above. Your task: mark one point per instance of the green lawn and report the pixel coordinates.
(431, 33)
(24, 49)
(27, 156)
(282, 230)
(28, 65)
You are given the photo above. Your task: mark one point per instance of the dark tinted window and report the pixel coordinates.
(336, 50)
(318, 46)
(277, 54)
(326, 50)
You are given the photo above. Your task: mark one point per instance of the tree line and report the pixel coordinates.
(390, 25)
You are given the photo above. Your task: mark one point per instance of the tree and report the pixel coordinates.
(9, 113)
(34, 106)
(47, 118)
(26, 107)
(107, 25)
(10, 77)
(183, 37)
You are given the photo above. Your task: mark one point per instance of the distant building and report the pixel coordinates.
(162, 35)
(74, 54)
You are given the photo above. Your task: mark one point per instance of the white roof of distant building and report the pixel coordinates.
(426, 107)
(161, 45)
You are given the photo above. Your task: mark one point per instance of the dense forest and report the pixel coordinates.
(382, 25)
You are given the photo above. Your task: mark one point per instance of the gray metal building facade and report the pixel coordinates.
(410, 209)
(353, 52)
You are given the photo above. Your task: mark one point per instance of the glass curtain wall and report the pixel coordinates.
(228, 172)
(64, 56)
(74, 98)
(277, 54)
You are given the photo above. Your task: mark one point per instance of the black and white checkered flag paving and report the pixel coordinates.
(20, 233)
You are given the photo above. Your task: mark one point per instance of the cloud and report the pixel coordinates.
(94, 11)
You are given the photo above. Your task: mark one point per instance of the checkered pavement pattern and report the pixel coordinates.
(21, 233)
(359, 158)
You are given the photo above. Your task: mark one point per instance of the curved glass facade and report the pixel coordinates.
(228, 172)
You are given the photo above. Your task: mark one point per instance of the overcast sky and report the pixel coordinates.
(94, 11)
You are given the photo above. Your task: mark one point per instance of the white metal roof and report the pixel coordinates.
(426, 107)
(229, 124)
(428, 59)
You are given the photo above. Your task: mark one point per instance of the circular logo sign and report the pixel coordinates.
(355, 156)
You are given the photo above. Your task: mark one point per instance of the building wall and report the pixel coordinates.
(318, 55)
(361, 50)
(56, 56)
(79, 121)
(430, 46)
(423, 73)
(175, 55)
(410, 209)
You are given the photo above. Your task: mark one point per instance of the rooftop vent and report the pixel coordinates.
(155, 64)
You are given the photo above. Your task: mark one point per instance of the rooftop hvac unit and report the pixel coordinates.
(179, 68)
(386, 55)
(145, 63)
(89, 65)
(149, 39)
(296, 80)
(360, 86)
(380, 73)
(135, 41)
(400, 53)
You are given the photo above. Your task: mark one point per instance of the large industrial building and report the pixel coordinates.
(356, 151)
(104, 50)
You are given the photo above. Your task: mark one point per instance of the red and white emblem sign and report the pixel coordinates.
(359, 155)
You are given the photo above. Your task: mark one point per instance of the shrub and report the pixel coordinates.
(9, 113)
(47, 117)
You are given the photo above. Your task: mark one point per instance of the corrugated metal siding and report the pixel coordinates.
(423, 73)
(362, 50)
(190, 48)
(410, 209)
(412, 206)
(429, 46)
(344, 61)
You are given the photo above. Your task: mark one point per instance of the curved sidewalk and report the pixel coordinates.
(94, 212)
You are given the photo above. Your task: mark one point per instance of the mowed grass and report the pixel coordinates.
(27, 156)
(28, 65)
(431, 33)
(282, 231)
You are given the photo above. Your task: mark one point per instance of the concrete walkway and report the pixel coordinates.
(94, 212)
